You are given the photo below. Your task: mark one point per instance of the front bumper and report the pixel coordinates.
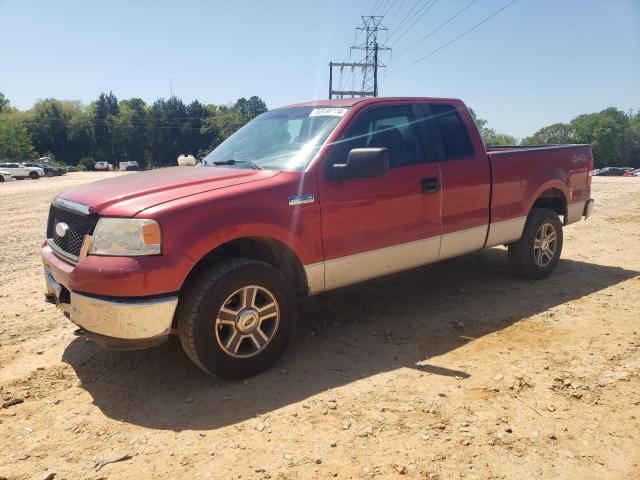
(121, 323)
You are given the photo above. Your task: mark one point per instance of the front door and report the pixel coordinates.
(375, 226)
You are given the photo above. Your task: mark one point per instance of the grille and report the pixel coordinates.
(79, 226)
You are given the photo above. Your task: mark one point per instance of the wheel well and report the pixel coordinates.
(265, 249)
(552, 199)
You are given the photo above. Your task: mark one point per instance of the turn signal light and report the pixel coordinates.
(151, 234)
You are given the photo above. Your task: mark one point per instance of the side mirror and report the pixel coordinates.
(362, 163)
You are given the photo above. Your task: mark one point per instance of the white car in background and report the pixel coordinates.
(19, 170)
(5, 176)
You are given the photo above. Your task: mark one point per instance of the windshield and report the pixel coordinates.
(285, 139)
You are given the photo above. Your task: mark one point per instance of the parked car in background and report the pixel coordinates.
(49, 170)
(71, 168)
(20, 170)
(103, 166)
(61, 170)
(612, 171)
(632, 173)
(5, 176)
(128, 166)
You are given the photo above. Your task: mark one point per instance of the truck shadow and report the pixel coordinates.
(343, 336)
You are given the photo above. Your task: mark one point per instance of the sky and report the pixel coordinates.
(536, 63)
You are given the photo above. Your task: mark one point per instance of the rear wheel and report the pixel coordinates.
(537, 253)
(34, 175)
(236, 317)
(1, 179)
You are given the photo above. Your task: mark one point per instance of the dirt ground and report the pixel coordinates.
(456, 370)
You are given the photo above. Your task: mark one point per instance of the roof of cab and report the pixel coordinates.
(350, 102)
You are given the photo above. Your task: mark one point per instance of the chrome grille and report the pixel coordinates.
(79, 226)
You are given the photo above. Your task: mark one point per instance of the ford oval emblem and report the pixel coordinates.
(61, 229)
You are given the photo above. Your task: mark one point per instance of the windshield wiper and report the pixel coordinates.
(233, 161)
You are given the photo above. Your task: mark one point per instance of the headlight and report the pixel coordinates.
(126, 237)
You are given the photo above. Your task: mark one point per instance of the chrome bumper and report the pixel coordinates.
(142, 322)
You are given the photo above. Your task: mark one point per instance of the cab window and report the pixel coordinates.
(393, 127)
(453, 133)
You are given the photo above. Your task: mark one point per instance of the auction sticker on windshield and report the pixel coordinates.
(328, 112)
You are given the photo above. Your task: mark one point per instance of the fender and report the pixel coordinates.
(556, 183)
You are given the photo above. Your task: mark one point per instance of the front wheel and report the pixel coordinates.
(34, 175)
(236, 317)
(537, 253)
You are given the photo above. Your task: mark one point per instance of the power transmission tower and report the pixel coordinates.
(371, 26)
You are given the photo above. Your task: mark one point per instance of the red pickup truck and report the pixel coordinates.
(301, 200)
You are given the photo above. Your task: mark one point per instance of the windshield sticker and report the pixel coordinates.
(328, 112)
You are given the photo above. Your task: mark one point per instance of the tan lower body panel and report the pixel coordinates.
(505, 232)
(363, 266)
(343, 271)
(465, 241)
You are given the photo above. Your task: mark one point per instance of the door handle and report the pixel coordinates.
(430, 185)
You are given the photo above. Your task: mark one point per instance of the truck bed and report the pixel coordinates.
(522, 174)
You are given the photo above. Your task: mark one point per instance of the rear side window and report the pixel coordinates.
(453, 133)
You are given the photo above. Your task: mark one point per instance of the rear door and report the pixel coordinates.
(375, 226)
(466, 179)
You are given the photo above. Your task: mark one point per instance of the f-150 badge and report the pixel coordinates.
(301, 199)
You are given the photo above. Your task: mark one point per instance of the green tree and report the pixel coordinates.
(167, 130)
(136, 146)
(558, 133)
(251, 108)
(15, 143)
(605, 131)
(631, 144)
(48, 127)
(4, 103)
(493, 138)
(489, 135)
(103, 112)
(80, 136)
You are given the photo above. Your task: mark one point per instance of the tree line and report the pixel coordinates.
(155, 134)
(613, 134)
(115, 130)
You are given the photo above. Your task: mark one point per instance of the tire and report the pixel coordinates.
(209, 335)
(528, 257)
(1, 179)
(34, 175)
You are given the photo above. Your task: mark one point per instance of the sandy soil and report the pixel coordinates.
(456, 370)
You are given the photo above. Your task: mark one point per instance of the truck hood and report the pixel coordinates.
(128, 195)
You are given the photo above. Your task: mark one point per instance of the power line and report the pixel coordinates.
(429, 5)
(398, 10)
(375, 6)
(443, 24)
(387, 8)
(466, 32)
(404, 19)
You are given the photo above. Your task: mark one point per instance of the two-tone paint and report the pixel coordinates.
(343, 232)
